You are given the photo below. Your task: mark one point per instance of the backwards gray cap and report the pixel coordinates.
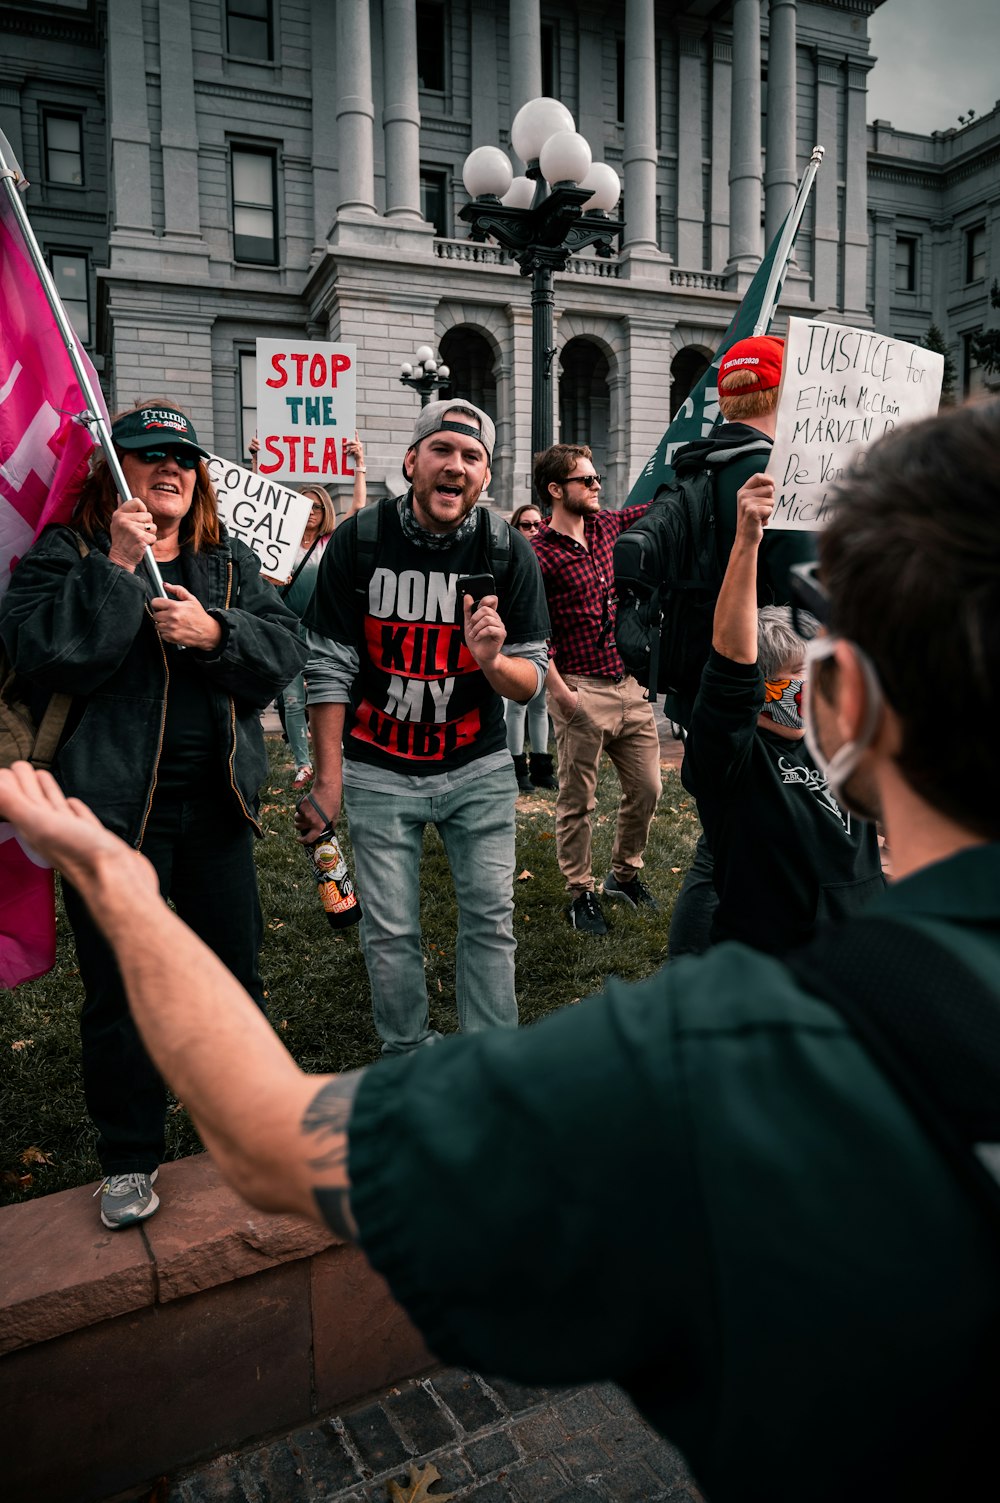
(431, 420)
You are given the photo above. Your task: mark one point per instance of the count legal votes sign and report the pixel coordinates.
(306, 409)
(841, 389)
(268, 517)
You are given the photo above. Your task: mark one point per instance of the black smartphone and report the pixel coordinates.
(476, 585)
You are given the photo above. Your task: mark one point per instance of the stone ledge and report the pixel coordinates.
(65, 1270)
(207, 1327)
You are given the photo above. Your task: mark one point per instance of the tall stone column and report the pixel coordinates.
(640, 126)
(178, 122)
(525, 53)
(780, 176)
(691, 207)
(722, 106)
(940, 250)
(855, 229)
(355, 109)
(826, 235)
(401, 116)
(128, 125)
(744, 149)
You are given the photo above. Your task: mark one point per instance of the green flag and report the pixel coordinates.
(700, 413)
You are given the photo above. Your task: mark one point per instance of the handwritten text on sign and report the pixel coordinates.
(268, 517)
(306, 409)
(841, 389)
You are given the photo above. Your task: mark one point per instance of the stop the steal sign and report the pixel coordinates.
(306, 409)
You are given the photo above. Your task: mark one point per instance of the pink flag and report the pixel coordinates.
(43, 462)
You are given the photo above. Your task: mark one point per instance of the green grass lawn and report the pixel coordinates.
(316, 980)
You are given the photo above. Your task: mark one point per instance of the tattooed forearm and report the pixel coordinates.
(325, 1122)
(325, 1128)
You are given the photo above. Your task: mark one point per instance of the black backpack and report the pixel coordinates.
(667, 580)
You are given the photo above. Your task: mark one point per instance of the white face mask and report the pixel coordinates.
(841, 767)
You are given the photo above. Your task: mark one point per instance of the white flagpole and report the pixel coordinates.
(784, 250)
(14, 183)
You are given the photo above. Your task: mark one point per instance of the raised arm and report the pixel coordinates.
(277, 1134)
(355, 449)
(734, 633)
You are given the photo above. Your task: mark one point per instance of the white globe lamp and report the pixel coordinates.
(607, 188)
(535, 122)
(487, 170)
(565, 158)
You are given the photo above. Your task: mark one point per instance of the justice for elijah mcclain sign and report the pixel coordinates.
(841, 389)
(306, 410)
(268, 517)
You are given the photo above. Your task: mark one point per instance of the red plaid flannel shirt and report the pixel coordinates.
(579, 587)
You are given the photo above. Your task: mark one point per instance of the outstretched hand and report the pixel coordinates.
(754, 505)
(64, 832)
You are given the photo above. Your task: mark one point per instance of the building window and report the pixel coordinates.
(906, 263)
(63, 149)
(620, 79)
(434, 200)
(975, 253)
(973, 375)
(550, 83)
(248, 398)
(255, 220)
(249, 30)
(431, 47)
(70, 274)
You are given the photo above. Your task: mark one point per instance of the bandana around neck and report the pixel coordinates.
(435, 540)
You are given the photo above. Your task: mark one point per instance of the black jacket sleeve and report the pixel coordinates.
(720, 736)
(260, 651)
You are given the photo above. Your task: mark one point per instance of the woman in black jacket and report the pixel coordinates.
(163, 739)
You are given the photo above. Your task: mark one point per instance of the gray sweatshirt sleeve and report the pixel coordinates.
(330, 670)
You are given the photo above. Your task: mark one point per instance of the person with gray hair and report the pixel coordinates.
(786, 855)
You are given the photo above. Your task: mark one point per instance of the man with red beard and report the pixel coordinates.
(786, 856)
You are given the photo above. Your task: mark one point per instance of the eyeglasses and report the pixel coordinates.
(185, 458)
(590, 481)
(528, 526)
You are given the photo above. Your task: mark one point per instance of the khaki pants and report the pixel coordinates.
(618, 719)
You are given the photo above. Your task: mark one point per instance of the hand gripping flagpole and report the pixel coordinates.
(784, 247)
(14, 182)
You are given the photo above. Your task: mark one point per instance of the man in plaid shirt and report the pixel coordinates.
(595, 705)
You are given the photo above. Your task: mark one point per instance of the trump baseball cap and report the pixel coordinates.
(761, 356)
(156, 426)
(432, 420)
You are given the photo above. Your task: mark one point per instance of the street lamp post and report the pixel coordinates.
(429, 377)
(559, 207)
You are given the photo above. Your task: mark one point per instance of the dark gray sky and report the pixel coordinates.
(936, 59)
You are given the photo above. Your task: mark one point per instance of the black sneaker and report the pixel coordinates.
(635, 893)
(585, 914)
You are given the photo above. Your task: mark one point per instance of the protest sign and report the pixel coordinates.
(268, 517)
(306, 409)
(841, 389)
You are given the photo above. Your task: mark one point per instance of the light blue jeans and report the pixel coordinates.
(537, 716)
(476, 825)
(294, 697)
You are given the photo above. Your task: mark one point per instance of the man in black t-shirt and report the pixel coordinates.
(406, 679)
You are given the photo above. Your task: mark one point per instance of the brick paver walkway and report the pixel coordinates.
(492, 1442)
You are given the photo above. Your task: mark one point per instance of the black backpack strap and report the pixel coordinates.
(499, 548)
(931, 1024)
(367, 533)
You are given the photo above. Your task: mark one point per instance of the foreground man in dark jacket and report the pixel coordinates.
(163, 739)
(702, 1185)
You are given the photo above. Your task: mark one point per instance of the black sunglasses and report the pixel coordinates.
(588, 480)
(186, 458)
(529, 526)
(808, 595)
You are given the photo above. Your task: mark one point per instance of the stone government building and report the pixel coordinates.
(204, 172)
